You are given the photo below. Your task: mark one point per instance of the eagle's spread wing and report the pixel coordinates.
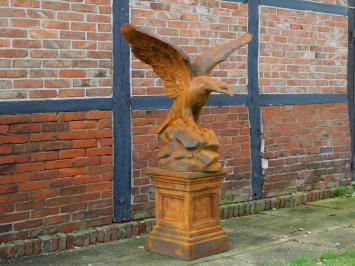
(170, 63)
(204, 63)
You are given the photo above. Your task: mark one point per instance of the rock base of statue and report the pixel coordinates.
(187, 214)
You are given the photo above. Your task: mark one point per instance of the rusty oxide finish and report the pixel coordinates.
(187, 146)
(187, 214)
(188, 181)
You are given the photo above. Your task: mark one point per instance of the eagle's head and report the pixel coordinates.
(203, 85)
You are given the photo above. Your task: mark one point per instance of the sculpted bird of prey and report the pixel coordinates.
(185, 81)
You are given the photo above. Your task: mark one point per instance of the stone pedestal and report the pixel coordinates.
(187, 214)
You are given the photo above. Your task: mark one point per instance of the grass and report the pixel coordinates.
(345, 258)
(345, 191)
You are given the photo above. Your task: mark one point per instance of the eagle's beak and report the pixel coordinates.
(222, 87)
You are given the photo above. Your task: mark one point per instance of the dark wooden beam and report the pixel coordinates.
(46, 106)
(351, 84)
(121, 115)
(253, 100)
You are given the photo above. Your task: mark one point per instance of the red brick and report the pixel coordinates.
(85, 179)
(50, 193)
(28, 3)
(44, 212)
(13, 139)
(14, 159)
(13, 33)
(28, 224)
(78, 26)
(25, 23)
(73, 208)
(71, 93)
(61, 182)
(98, 114)
(23, 128)
(6, 208)
(60, 25)
(65, 172)
(84, 8)
(101, 186)
(70, 16)
(21, 206)
(98, 151)
(73, 190)
(13, 73)
(99, 133)
(82, 125)
(43, 175)
(56, 219)
(31, 186)
(71, 116)
(28, 167)
(44, 156)
(72, 73)
(43, 94)
(59, 164)
(56, 84)
(8, 189)
(84, 143)
(43, 34)
(6, 218)
(11, 12)
(10, 179)
(14, 119)
(73, 153)
(26, 44)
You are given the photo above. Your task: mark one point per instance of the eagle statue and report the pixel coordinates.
(188, 147)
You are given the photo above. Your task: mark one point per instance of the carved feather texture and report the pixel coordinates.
(205, 62)
(170, 63)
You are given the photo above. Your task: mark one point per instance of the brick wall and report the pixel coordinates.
(302, 52)
(55, 173)
(51, 49)
(307, 147)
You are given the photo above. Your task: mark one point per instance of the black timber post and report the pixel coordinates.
(253, 99)
(121, 115)
(351, 76)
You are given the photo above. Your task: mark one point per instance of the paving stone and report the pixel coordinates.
(55, 242)
(46, 243)
(37, 246)
(122, 231)
(70, 241)
(93, 236)
(115, 232)
(7, 251)
(107, 233)
(62, 243)
(81, 238)
(28, 247)
(100, 235)
(20, 247)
